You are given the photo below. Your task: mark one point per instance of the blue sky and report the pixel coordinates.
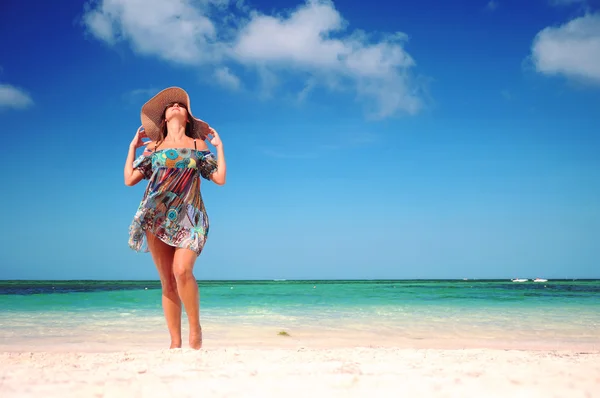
(427, 139)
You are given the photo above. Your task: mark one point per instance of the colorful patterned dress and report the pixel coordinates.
(172, 208)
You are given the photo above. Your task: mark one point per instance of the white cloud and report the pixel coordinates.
(143, 92)
(311, 42)
(134, 96)
(100, 25)
(306, 40)
(226, 78)
(268, 81)
(308, 87)
(492, 5)
(174, 30)
(300, 40)
(572, 50)
(14, 97)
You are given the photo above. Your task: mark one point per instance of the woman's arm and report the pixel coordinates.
(132, 176)
(220, 175)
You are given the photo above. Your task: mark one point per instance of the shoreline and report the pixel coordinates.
(252, 336)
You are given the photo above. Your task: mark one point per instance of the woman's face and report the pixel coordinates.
(175, 109)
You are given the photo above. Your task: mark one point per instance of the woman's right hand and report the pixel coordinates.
(137, 139)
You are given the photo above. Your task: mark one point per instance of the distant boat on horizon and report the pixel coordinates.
(519, 280)
(540, 280)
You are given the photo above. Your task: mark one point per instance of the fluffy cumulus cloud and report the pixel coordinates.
(312, 42)
(14, 97)
(175, 30)
(572, 49)
(227, 78)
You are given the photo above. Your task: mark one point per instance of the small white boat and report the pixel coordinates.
(519, 280)
(540, 280)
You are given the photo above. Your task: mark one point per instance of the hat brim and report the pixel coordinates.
(152, 113)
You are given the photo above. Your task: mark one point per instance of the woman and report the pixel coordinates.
(171, 221)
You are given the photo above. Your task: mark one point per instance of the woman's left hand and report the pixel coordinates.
(214, 138)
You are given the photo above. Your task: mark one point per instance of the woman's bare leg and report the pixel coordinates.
(183, 267)
(163, 255)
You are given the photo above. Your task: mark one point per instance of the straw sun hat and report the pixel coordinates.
(152, 112)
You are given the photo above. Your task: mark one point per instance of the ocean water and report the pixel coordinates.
(556, 313)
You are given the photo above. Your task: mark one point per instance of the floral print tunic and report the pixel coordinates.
(172, 208)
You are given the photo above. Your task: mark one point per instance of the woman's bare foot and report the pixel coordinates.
(196, 339)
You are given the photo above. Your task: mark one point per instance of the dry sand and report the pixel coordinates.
(293, 369)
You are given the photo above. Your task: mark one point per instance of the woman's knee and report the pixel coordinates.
(182, 273)
(169, 284)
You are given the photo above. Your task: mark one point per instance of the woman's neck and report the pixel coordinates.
(175, 131)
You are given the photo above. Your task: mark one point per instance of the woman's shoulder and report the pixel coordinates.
(150, 147)
(200, 145)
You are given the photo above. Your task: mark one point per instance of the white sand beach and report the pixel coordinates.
(288, 366)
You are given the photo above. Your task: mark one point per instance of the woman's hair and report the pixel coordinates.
(163, 123)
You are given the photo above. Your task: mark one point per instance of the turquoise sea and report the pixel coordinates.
(557, 313)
